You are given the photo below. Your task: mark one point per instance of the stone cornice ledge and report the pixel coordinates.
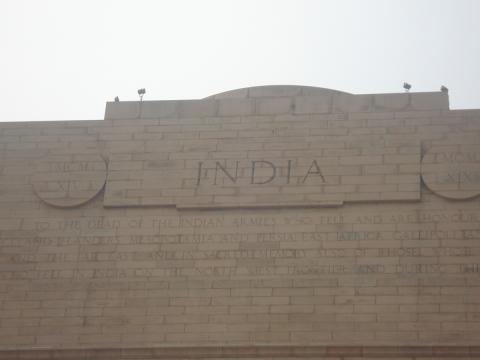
(244, 352)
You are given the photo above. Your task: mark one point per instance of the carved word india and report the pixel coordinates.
(255, 165)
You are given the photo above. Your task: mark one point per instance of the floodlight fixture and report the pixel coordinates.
(141, 92)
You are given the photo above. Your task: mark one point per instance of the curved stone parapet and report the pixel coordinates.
(274, 91)
(277, 100)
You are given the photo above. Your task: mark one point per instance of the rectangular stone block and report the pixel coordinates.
(313, 104)
(273, 106)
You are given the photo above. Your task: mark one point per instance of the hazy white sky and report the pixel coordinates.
(62, 60)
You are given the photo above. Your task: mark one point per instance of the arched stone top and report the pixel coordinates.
(275, 91)
(276, 100)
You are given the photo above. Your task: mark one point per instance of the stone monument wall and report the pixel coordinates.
(269, 222)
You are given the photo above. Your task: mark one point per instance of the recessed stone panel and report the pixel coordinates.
(452, 171)
(69, 180)
(309, 170)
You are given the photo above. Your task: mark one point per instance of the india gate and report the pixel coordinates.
(271, 222)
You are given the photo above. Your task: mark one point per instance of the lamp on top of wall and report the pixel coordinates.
(141, 92)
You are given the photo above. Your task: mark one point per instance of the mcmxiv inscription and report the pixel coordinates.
(68, 181)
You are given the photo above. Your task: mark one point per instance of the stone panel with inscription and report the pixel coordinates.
(266, 222)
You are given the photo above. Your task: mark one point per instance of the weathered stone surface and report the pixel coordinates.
(279, 161)
(195, 250)
(453, 170)
(69, 180)
(253, 352)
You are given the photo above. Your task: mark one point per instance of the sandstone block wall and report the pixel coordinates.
(259, 220)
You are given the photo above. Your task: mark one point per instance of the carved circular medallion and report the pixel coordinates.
(68, 181)
(452, 171)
